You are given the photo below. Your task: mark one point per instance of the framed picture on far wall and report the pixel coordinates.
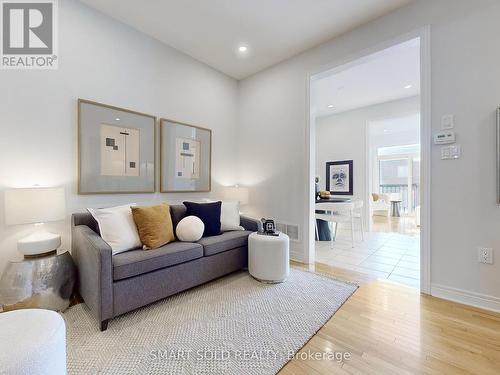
(116, 150)
(185, 157)
(339, 177)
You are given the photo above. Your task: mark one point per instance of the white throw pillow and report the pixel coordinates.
(190, 229)
(117, 227)
(229, 215)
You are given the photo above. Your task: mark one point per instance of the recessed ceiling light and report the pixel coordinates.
(117, 119)
(242, 49)
(386, 131)
(330, 105)
(408, 86)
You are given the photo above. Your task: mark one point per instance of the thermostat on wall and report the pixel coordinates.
(444, 138)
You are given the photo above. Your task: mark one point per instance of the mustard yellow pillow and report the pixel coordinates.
(154, 225)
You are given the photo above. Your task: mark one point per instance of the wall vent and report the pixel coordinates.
(293, 231)
(280, 227)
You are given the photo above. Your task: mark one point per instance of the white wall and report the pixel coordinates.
(465, 82)
(401, 130)
(343, 137)
(106, 61)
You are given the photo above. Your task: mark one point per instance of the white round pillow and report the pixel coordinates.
(190, 229)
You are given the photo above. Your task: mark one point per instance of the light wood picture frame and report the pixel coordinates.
(116, 150)
(185, 157)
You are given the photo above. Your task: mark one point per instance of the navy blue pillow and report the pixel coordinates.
(209, 213)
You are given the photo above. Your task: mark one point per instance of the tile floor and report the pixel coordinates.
(392, 256)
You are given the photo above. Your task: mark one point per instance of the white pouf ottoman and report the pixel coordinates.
(268, 257)
(32, 341)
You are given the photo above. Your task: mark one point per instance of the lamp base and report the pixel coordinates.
(39, 244)
(45, 283)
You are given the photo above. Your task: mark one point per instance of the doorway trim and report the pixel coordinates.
(424, 34)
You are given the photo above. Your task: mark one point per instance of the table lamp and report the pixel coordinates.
(237, 193)
(35, 205)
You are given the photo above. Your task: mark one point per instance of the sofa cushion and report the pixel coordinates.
(117, 227)
(209, 213)
(177, 212)
(229, 215)
(190, 229)
(154, 225)
(223, 242)
(137, 262)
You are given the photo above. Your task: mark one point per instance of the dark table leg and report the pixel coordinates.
(395, 209)
(324, 231)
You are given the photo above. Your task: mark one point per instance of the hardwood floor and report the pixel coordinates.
(392, 329)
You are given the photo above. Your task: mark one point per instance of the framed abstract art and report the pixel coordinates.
(185, 157)
(116, 150)
(339, 177)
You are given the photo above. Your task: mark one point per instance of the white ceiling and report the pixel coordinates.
(274, 30)
(377, 78)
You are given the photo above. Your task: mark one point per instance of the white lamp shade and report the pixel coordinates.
(34, 205)
(237, 193)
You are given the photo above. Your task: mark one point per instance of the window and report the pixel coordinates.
(399, 174)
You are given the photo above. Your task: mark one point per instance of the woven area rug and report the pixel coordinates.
(233, 325)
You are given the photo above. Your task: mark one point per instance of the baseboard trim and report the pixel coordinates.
(296, 256)
(466, 297)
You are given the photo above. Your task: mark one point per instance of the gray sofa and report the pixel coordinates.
(112, 285)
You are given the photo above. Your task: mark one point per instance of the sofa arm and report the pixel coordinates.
(249, 223)
(95, 271)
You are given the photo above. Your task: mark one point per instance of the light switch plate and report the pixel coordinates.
(451, 152)
(445, 153)
(447, 122)
(485, 255)
(455, 151)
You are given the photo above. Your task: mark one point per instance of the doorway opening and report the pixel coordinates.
(368, 163)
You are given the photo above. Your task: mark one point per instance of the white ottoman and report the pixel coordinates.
(32, 341)
(268, 257)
